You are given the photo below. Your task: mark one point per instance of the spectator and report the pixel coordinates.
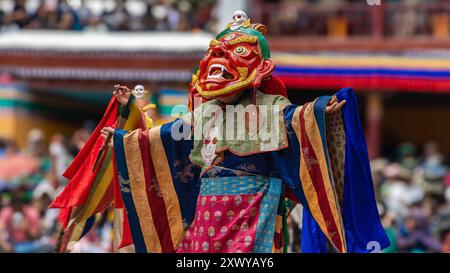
(3, 146)
(295, 227)
(161, 15)
(288, 18)
(149, 20)
(431, 173)
(405, 21)
(68, 19)
(2, 15)
(185, 9)
(79, 138)
(202, 18)
(414, 235)
(42, 197)
(85, 15)
(441, 226)
(59, 155)
(19, 18)
(90, 243)
(118, 18)
(37, 150)
(26, 223)
(406, 156)
(40, 19)
(446, 241)
(22, 224)
(388, 220)
(397, 191)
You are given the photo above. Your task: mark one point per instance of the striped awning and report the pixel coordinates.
(73, 41)
(173, 75)
(418, 71)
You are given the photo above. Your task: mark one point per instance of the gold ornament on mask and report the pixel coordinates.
(243, 72)
(214, 42)
(244, 39)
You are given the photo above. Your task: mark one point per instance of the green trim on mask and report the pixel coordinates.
(263, 45)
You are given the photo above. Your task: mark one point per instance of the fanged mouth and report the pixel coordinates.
(218, 71)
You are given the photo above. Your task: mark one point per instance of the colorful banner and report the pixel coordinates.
(380, 72)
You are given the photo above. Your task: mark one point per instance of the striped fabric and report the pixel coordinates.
(90, 189)
(157, 187)
(150, 199)
(91, 174)
(75, 232)
(315, 178)
(386, 72)
(338, 209)
(101, 193)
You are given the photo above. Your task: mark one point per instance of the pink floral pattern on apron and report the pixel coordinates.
(223, 224)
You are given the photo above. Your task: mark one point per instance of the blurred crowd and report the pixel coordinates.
(412, 190)
(343, 18)
(414, 199)
(412, 186)
(117, 15)
(413, 195)
(29, 180)
(337, 18)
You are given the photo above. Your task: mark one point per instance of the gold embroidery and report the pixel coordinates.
(243, 72)
(123, 181)
(124, 184)
(138, 191)
(246, 24)
(167, 188)
(214, 42)
(244, 39)
(155, 186)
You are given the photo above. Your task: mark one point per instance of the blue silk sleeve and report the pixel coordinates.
(185, 175)
(352, 210)
(362, 222)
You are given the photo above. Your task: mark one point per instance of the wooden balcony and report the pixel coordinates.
(406, 25)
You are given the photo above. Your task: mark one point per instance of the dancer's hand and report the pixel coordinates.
(106, 133)
(334, 105)
(122, 93)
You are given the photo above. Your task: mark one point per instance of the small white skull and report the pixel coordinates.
(206, 215)
(253, 212)
(211, 231)
(205, 246)
(139, 91)
(248, 241)
(239, 17)
(225, 200)
(229, 244)
(223, 229)
(218, 215)
(208, 150)
(242, 213)
(196, 246)
(217, 246)
(213, 200)
(244, 226)
(230, 215)
(238, 200)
